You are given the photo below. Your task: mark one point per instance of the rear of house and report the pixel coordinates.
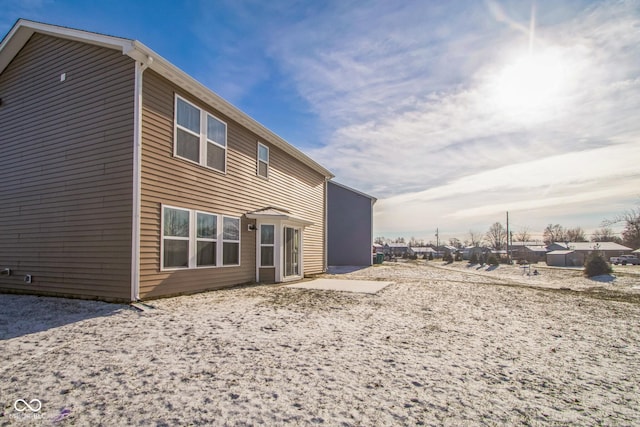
(125, 179)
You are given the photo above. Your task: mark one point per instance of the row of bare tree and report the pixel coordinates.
(496, 236)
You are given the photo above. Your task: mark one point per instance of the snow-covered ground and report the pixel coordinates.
(444, 345)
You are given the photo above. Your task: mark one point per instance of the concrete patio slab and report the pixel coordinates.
(359, 286)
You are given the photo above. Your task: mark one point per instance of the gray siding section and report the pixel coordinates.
(349, 226)
(66, 170)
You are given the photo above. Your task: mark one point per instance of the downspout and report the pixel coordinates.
(326, 224)
(137, 179)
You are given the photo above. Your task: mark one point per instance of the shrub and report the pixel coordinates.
(474, 258)
(430, 256)
(493, 260)
(596, 265)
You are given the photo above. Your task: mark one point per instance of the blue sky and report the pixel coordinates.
(450, 113)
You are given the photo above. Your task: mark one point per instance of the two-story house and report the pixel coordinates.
(123, 178)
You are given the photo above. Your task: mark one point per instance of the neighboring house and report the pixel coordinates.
(123, 178)
(565, 258)
(528, 251)
(575, 253)
(423, 251)
(443, 249)
(349, 225)
(397, 249)
(469, 251)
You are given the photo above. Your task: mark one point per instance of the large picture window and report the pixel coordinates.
(199, 136)
(231, 241)
(194, 239)
(206, 239)
(176, 238)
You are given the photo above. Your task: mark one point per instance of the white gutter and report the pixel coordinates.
(137, 178)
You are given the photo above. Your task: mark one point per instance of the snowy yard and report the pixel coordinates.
(455, 346)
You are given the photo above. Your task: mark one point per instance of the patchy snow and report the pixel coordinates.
(443, 345)
(343, 285)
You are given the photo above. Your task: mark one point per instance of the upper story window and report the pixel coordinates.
(263, 161)
(199, 136)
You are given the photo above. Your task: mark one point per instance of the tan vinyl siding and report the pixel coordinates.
(267, 275)
(180, 183)
(66, 165)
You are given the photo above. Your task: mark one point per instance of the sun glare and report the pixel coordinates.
(532, 85)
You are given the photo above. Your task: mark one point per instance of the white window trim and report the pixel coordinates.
(204, 239)
(163, 238)
(203, 137)
(300, 275)
(193, 239)
(261, 245)
(223, 241)
(258, 161)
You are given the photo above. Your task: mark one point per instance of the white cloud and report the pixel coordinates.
(416, 101)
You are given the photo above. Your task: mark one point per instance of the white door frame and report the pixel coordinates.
(278, 252)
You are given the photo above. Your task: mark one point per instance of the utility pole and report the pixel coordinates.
(437, 241)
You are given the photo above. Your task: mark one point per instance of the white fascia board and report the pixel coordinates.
(353, 190)
(285, 218)
(24, 29)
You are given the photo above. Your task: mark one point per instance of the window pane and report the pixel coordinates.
(188, 146)
(206, 226)
(176, 253)
(262, 169)
(266, 256)
(176, 222)
(263, 153)
(215, 157)
(230, 253)
(216, 131)
(188, 116)
(266, 234)
(231, 228)
(206, 253)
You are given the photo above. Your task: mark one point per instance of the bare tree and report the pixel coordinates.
(631, 232)
(496, 236)
(575, 235)
(455, 242)
(605, 234)
(554, 233)
(475, 238)
(523, 235)
(379, 240)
